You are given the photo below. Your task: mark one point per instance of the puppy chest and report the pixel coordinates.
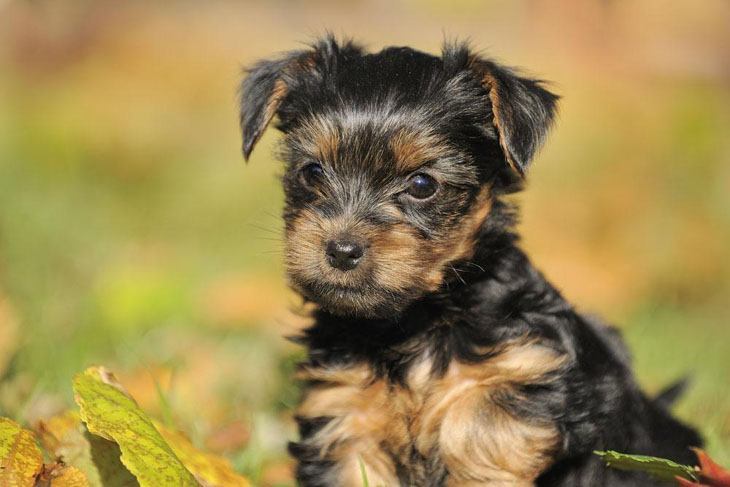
(458, 424)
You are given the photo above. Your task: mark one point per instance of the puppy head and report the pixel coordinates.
(393, 162)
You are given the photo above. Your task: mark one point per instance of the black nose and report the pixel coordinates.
(344, 254)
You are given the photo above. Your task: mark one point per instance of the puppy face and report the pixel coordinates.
(393, 162)
(377, 208)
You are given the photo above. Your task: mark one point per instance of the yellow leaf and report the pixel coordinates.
(210, 470)
(110, 413)
(70, 477)
(66, 438)
(20, 457)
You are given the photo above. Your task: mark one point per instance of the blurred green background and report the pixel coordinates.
(133, 235)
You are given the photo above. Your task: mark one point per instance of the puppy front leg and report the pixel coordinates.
(346, 418)
(332, 457)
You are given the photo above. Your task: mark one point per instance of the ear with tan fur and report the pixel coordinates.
(264, 89)
(522, 111)
(262, 92)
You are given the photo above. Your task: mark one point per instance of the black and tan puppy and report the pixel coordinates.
(439, 354)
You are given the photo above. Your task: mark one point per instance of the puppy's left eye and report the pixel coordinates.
(421, 186)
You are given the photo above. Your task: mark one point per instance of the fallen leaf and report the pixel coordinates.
(20, 458)
(210, 470)
(110, 413)
(70, 477)
(65, 438)
(61, 475)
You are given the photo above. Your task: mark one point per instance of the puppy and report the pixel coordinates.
(439, 355)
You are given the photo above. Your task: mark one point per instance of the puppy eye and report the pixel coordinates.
(312, 173)
(421, 186)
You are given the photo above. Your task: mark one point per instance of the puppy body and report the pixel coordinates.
(501, 382)
(438, 354)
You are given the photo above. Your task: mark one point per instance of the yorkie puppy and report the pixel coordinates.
(439, 355)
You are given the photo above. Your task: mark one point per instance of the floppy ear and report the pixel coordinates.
(269, 82)
(264, 89)
(522, 111)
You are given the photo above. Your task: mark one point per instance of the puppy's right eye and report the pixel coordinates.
(311, 174)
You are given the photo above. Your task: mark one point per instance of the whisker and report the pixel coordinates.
(264, 229)
(457, 274)
(475, 265)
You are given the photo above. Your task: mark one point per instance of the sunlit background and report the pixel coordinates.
(132, 234)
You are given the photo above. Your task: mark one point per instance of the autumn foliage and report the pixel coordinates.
(109, 441)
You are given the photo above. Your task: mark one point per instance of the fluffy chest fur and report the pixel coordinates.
(461, 426)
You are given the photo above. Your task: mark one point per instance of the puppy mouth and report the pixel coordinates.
(349, 300)
(344, 292)
(330, 293)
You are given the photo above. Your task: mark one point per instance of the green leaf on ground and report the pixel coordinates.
(111, 413)
(657, 467)
(20, 458)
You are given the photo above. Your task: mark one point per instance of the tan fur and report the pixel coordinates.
(413, 149)
(501, 117)
(460, 244)
(397, 252)
(272, 105)
(478, 439)
(456, 417)
(363, 420)
(320, 137)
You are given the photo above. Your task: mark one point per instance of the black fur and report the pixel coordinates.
(495, 121)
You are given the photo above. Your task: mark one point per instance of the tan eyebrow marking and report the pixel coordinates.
(413, 149)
